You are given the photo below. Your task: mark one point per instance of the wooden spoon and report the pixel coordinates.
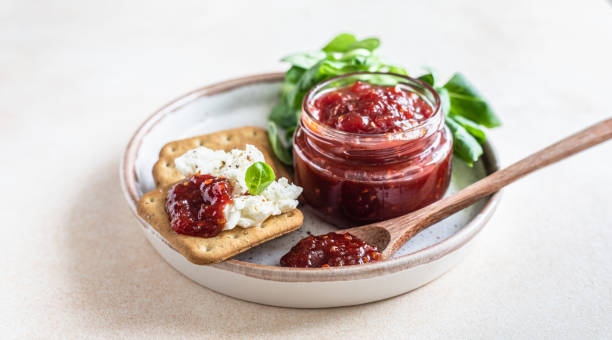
(391, 234)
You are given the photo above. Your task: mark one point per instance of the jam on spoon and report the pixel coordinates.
(330, 250)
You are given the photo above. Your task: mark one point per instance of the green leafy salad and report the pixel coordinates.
(467, 113)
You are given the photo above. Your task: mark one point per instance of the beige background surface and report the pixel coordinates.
(76, 78)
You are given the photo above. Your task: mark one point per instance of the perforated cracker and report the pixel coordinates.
(228, 243)
(165, 172)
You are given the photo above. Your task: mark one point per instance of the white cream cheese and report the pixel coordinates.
(245, 210)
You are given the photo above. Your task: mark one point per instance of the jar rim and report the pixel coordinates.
(406, 134)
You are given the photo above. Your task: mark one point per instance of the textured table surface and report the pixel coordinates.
(77, 78)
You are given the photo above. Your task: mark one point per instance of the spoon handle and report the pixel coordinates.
(404, 227)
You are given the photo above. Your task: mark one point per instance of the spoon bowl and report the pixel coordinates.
(373, 234)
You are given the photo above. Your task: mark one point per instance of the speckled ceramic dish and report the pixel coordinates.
(255, 275)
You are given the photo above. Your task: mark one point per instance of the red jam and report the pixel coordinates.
(330, 250)
(195, 205)
(355, 178)
(366, 108)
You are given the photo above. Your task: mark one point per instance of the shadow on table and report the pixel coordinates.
(118, 280)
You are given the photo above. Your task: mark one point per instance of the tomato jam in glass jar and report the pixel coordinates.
(371, 146)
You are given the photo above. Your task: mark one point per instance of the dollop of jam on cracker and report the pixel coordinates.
(195, 205)
(330, 250)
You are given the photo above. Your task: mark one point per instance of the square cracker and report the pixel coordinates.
(165, 172)
(228, 243)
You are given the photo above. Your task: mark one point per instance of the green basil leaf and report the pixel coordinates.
(329, 69)
(465, 146)
(466, 101)
(305, 60)
(473, 128)
(395, 69)
(287, 88)
(373, 62)
(359, 61)
(258, 176)
(444, 100)
(428, 78)
(341, 43)
(294, 74)
(283, 115)
(282, 152)
(359, 52)
(308, 79)
(289, 134)
(431, 77)
(369, 44)
(379, 79)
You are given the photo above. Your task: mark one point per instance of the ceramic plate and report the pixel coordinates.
(255, 275)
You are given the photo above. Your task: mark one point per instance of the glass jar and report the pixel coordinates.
(355, 178)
